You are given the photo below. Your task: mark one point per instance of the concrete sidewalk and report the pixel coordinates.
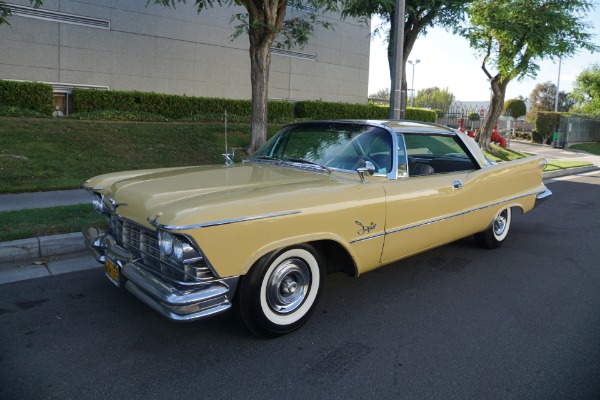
(51, 255)
(24, 201)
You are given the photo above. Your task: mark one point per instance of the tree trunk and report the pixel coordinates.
(260, 62)
(494, 112)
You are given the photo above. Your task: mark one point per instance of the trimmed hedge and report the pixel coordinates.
(515, 107)
(421, 114)
(27, 95)
(170, 106)
(322, 110)
(546, 123)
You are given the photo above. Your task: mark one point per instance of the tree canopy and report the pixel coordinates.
(5, 10)
(420, 15)
(543, 98)
(266, 25)
(515, 108)
(381, 94)
(434, 98)
(586, 91)
(512, 36)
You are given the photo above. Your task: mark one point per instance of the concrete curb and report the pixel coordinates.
(569, 171)
(41, 247)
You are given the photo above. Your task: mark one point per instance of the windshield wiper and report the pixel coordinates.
(265, 158)
(303, 161)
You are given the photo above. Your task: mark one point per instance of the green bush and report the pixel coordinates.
(318, 109)
(9, 111)
(546, 123)
(473, 116)
(523, 135)
(27, 95)
(170, 106)
(323, 110)
(515, 108)
(421, 114)
(112, 115)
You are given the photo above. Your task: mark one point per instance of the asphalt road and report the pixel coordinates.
(458, 322)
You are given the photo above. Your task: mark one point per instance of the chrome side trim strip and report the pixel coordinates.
(362, 239)
(157, 224)
(433, 221)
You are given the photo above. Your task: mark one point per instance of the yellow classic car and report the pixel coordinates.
(318, 197)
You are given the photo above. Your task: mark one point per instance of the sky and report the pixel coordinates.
(447, 61)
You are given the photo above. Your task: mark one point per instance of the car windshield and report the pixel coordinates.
(339, 146)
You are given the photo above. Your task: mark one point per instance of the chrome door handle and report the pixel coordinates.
(457, 185)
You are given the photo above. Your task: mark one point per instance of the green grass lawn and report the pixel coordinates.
(593, 148)
(43, 154)
(46, 221)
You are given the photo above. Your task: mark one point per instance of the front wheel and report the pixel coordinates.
(494, 236)
(281, 290)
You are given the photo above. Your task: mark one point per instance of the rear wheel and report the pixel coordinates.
(281, 290)
(494, 236)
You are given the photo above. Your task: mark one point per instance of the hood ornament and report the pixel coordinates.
(154, 222)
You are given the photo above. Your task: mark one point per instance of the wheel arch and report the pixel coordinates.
(336, 256)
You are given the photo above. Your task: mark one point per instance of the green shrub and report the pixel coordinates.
(546, 123)
(171, 106)
(421, 114)
(515, 108)
(112, 115)
(318, 109)
(473, 116)
(9, 111)
(27, 95)
(523, 135)
(325, 111)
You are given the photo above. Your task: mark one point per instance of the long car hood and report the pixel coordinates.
(192, 195)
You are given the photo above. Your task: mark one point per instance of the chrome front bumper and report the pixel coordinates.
(175, 300)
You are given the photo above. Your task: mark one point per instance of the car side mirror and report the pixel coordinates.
(368, 167)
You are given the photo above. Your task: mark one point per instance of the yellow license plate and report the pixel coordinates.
(112, 272)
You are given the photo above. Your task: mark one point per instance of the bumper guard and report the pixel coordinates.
(175, 301)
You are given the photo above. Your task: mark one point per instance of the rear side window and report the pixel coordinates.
(441, 153)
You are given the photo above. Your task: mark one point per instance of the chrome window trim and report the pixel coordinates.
(221, 222)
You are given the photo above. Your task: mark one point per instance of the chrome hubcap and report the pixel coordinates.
(288, 286)
(500, 223)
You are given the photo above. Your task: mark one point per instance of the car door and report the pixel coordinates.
(424, 211)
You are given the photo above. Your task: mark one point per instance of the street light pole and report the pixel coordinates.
(412, 85)
(557, 86)
(397, 96)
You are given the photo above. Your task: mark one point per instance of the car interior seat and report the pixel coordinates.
(416, 168)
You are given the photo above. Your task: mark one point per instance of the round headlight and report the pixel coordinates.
(98, 203)
(177, 250)
(166, 243)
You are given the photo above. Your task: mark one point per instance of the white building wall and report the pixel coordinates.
(177, 51)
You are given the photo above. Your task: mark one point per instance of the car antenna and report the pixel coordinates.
(228, 156)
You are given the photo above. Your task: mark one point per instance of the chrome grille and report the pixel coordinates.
(143, 244)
